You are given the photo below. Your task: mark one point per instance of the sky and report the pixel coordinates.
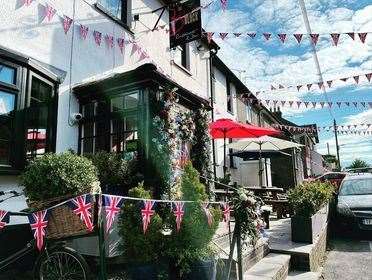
(265, 63)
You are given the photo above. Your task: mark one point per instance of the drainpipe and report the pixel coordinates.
(211, 55)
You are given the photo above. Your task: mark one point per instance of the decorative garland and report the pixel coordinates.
(343, 128)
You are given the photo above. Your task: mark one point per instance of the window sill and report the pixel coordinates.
(102, 10)
(187, 71)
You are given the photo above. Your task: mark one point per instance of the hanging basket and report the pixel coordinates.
(63, 222)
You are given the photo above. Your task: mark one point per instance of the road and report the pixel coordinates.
(349, 258)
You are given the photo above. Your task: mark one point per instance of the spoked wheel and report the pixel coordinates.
(61, 264)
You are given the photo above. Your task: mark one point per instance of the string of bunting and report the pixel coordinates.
(111, 205)
(343, 128)
(309, 104)
(355, 132)
(355, 78)
(285, 37)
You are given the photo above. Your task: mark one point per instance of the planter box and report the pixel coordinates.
(307, 230)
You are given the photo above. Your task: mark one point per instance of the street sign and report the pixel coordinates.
(184, 22)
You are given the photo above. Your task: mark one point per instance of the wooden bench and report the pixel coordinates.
(281, 206)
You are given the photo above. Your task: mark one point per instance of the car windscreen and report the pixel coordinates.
(356, 187)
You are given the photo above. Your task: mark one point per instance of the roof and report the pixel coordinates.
(125, 76)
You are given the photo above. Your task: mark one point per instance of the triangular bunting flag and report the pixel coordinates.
(282, 37)
(49, 12)
(344, 79)
(38, 223)
(112, 206)
(208, 213)
(298, 37)
(109, 40)
(356, 79)
(121, 42)
(252, 35)
(223, 35)
(147, 212)
(309, 86)
(210, 37)
(82, 206)
(351, 35)
(267, 36)
(84, 31)
(178, 211)
(226, 210)
(329, 83)
(320, 85)
(355, 104)
(368, 76)
(314, 38)
(290, 103)
(27, 2)
(299, 87)
(135, 48)
(4, 218)
(338, 104)
(66, 23)
(335, 38)
(330, 104)
(347, 103)
(322, 104)
(298, 104)
(283, 102)
(237, 35)
(362, 37)
(306, 103)
(97, 37)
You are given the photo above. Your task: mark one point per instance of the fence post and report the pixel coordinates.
(239, 251)
(101, 244)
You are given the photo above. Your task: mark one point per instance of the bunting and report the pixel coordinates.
(178, 212)
(67, 22)
(226, 210)
(38, 223)
(4, 218)
(363, 127)
(49, 12)
(147, 212)
(208, 213)
(97, 37)
(112, 206)
(82, 207)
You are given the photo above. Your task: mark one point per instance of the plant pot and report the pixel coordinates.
(202, 270)
(308, 229)
(142, 272)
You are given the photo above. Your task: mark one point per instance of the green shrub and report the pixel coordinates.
(308, 198)
(54, 175)
(113, 170)
(192, 242)
(139, 248)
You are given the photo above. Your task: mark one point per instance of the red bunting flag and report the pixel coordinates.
(362, 37)
(97, 37)
(351, 35)
(314, 38)
(223, 35)
(267, 36)
(82, 206)
(226, 212)
(109, 40)
(178, 212)
(252, 35)
(121, 42)
(49, 12)
(66, 23)
(356, 79)
(309, 86)
(84, 31)
(112, 206)
(208, 213)
(282, 37)
(298, 37)
(38, 223)
(4, 218)
(329, 83)
(368, 76)
(335, 38)
(210, 37)
(147, 212)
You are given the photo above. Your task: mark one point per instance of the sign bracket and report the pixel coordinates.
(161, 14)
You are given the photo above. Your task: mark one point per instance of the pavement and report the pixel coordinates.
(349, 258)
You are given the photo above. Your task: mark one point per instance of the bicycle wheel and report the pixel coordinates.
(61, 264)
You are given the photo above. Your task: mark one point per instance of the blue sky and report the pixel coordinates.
(265, 63)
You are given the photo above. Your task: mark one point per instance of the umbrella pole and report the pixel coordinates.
(224, 154)
(260, 166)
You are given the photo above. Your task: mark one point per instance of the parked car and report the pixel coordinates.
(335, 178)
(354, 203)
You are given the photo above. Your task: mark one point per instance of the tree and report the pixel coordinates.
(358, 163)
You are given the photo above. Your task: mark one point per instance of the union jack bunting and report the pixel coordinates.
(146, 213)
(84, 31)
(109, 40)
(121, 42)
(66, 23)
(82, 206)
(178, 211)
(226, 210)
(27, 2)
(112, 205)
(208, 213)
(97, 37)
(38, 223)
(49, 12)
(4, 218)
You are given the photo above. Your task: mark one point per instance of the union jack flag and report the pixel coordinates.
(208, 213)
(121, 42)
(4, 218)
(66, 23)
(147, 212)
(27, 2)
(178, 212)
(226, 210)
(39, 222)
(109, 40)
(84, 31)
(97, 37)
(82, 206)
(112, 206)
(49, 12)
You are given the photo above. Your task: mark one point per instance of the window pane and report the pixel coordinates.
(7, 74)
(88, 110)
(4, 152)
(37, 117)
(131, 101)
(124, 102)
(6, 103)
(112, 6)
(117, 104)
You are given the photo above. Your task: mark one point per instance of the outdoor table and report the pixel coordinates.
(260, 191)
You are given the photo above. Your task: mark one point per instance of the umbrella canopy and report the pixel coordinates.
(226, 128)
(264, 143)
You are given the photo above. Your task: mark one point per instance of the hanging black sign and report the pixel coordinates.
(184, 22)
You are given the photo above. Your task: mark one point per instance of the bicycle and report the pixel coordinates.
(55, 262)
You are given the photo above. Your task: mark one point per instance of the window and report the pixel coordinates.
(110, 125)
(114, 8)
(181, 56)
(229, 97)
(27, 115)
(249, 114)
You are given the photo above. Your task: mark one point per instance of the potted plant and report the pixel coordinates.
(189, 248)
(140, 251)
(310, 205)
(115, 173)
